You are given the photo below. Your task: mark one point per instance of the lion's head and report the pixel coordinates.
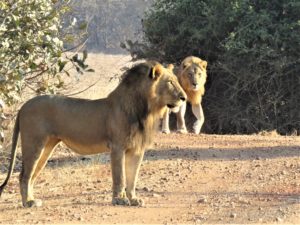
(192, 73)
(152, 83)
(167, 89)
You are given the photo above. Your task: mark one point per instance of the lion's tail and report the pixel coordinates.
(13, 153)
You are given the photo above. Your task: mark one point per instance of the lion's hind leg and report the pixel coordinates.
(32, 150)
(46, 153)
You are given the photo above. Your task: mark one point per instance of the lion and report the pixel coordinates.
(192, 77)
(122, 124)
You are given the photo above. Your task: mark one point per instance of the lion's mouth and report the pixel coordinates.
(171, 106)
(195, 87)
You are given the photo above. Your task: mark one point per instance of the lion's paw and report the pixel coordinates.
(197, 127)
(33, 203)
(120, 201)
(165, 131)
(182, 131)
(137, 202)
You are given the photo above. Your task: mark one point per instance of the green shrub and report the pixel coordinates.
(31, 46)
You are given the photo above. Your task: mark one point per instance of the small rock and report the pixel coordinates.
(284, 172)
(278, 219)
(202, 199)
(233, 215)
(146, 189)
(232, 204)
(243, 201)
(156, 195)
(164, 179)
(197, 221)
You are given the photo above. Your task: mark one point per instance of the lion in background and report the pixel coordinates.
(192, 77)
(123, 124)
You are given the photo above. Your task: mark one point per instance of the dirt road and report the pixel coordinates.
(183, 179)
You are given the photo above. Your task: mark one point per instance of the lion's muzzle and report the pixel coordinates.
(195, 86)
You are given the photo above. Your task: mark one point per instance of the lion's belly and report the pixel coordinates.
(87, 149)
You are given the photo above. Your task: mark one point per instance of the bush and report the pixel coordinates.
(31, 47)
(253, 50)
(32, 34)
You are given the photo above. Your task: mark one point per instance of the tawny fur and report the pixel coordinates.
(187, 66)
(192, 77)
(123, 124)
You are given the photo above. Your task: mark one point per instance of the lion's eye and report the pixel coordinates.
(170, 82)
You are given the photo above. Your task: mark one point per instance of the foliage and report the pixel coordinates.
(32, 35)
(31, 44)
(253, 49)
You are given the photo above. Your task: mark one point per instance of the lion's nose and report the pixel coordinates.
(182, 98)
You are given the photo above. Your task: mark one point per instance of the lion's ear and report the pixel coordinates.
(156, 71)
(204, 64)
(184, 65)
(170, 67)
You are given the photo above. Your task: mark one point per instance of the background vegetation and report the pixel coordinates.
(252, 47)
(253, 50)
(32, 37)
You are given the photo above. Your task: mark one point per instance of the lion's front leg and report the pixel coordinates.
(181, 128)
(133, 161)
(165, 122)
(118, 177)
(198, 112)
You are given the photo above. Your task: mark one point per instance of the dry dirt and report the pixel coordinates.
(183, 179)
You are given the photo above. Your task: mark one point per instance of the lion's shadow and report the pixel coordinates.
(224, 153)
(199, 154)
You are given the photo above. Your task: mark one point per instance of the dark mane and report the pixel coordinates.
(137, 73)
(138, 112)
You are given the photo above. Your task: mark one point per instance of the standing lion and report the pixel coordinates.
(123, 124)
(192, 77)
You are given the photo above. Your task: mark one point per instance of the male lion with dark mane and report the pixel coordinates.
(192, 77)
(123, 124)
